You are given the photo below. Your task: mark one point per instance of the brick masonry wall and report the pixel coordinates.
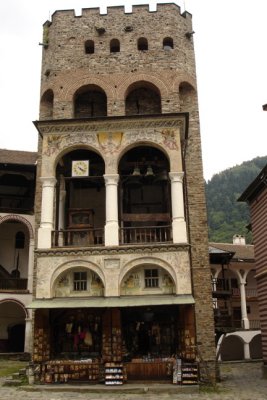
(197, 218)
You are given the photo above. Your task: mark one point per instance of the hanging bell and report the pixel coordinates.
(149, 171)
(136, 171)
(162, 177)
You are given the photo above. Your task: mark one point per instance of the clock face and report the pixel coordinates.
(80, 168)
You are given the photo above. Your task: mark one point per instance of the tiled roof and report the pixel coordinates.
(242, 251)
(17, 157)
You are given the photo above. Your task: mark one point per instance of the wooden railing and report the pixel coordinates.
(226, 321)
(254, 324)
(221, 285)
(13, 284)
(78, 237)
(250, 292)
(145, 235)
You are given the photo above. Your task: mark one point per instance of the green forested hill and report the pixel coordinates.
(226, 216)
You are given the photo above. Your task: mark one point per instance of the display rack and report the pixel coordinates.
(185, 373)
(114, 374)
(65, 371)
(190, 374)
(41, 345)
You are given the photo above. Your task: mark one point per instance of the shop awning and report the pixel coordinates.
(111, 302)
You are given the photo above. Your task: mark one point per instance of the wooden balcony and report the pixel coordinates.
(78, 237)
(146, 235)
(13, 284)
(220, 289)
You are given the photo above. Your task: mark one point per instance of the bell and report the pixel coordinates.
(149, 171)
(162, 176)
(134, 179)
(136, 172)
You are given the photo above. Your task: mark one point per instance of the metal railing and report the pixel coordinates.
(78, 237)
(145, 235)
(13, 284)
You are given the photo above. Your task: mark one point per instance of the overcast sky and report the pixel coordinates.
(230, 43)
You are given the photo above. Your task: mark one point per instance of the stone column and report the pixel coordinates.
(47, 212)
(244, 316)
(246, 351)
(62, 199)
(28, 335)
(112, 224)
(30, 266)
(61, 211)
(178, 221)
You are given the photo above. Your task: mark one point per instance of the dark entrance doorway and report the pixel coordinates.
(16, 337)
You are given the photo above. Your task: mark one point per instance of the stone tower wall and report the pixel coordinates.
(66, 68)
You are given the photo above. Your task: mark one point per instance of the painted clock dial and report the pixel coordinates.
(80, 168)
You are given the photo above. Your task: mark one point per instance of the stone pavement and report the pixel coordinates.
(240, 381)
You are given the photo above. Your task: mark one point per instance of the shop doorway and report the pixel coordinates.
(76, 334)
(150, 331)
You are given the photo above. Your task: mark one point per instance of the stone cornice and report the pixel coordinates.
(114, 124)
(118, 250)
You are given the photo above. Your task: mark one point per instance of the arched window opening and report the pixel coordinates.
(78, 279)
(145, 190)
(143, 98)
(147, 278)
(20, 240)
(167, 43)
(46, 106)
(80, 215)
(187, 95)
(142, 44)
(114, 46)
(89, 47)
(19, 244)
(90, 101)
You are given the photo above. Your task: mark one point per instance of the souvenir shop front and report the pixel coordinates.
(113, 345)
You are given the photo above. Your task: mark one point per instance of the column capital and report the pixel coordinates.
(48, 181)
(111, 179)
(176, 176)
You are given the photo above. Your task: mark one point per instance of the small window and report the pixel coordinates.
(89, 47)
(142, 44)
(79, 281)
(151, 278)
(114, 46)
(20, 240)
(167, 43)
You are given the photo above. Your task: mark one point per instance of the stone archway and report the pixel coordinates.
(12, 323)
(232, 348)
(255, 347)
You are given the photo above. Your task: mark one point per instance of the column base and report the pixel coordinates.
(44, 238)
(112, 234)
(245, 323)
(179, 233)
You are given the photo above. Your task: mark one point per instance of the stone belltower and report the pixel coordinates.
(122, 252)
